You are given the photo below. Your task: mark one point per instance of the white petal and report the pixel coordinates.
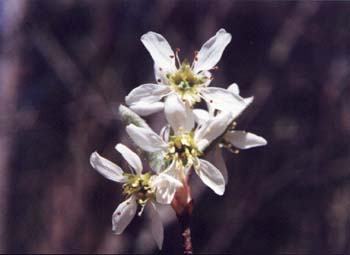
(248, 100)
(215, 127)
(160, 75)
(156, 225)
(165, 189)
(107, 168)
(211, 109)
(201, 116)
(172, 181)
(149, 93)
(145, 109)
(202, 144)
(166, 185)
(224, 100)
(145, 138)
(124, 213)
(171, 170)
(189, 124)
(131, 157)
(234, 88)
(217, 158)
(160, 51)
(244, 140)
(178, 114)
(211, 51)
(211, 176)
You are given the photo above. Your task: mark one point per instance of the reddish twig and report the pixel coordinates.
(183, 206)
(185, 222)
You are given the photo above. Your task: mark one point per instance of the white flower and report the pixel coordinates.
(188, 82)
(185, 146)
(140, 189)
(232, 138)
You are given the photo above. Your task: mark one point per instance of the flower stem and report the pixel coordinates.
(183, 206)
(185, 222)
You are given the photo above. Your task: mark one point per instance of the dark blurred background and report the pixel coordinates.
(66, 65)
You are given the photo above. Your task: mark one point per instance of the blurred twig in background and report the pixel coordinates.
(10, 79)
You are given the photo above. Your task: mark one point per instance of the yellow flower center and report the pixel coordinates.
(139, 186)
(183, 148)
(186, 83)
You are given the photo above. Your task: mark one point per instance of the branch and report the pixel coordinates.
(183, 206)
(185, 222)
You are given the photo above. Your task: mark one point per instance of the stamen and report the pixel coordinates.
(195, 59)
(235, 151)
(183, 149)
(229, 146)
(196, 164)
(186, 83)
(233, 125)
(141, 210)
(177, 50)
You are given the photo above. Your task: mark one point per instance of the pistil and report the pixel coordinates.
(186, 83)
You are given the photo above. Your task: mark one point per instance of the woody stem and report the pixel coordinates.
(183, 205)
(185, 221)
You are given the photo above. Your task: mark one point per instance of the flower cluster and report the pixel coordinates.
(190, 133)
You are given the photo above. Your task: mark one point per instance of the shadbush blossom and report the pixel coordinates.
(231, 138)
(240, 139)
(187, 144)
(189, 82)
(140, 189)
(190, 133)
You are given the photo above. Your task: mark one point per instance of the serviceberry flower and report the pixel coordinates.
(233, 140)
(186, 144)
(141, 190)
(185, 140)
(188, 81)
